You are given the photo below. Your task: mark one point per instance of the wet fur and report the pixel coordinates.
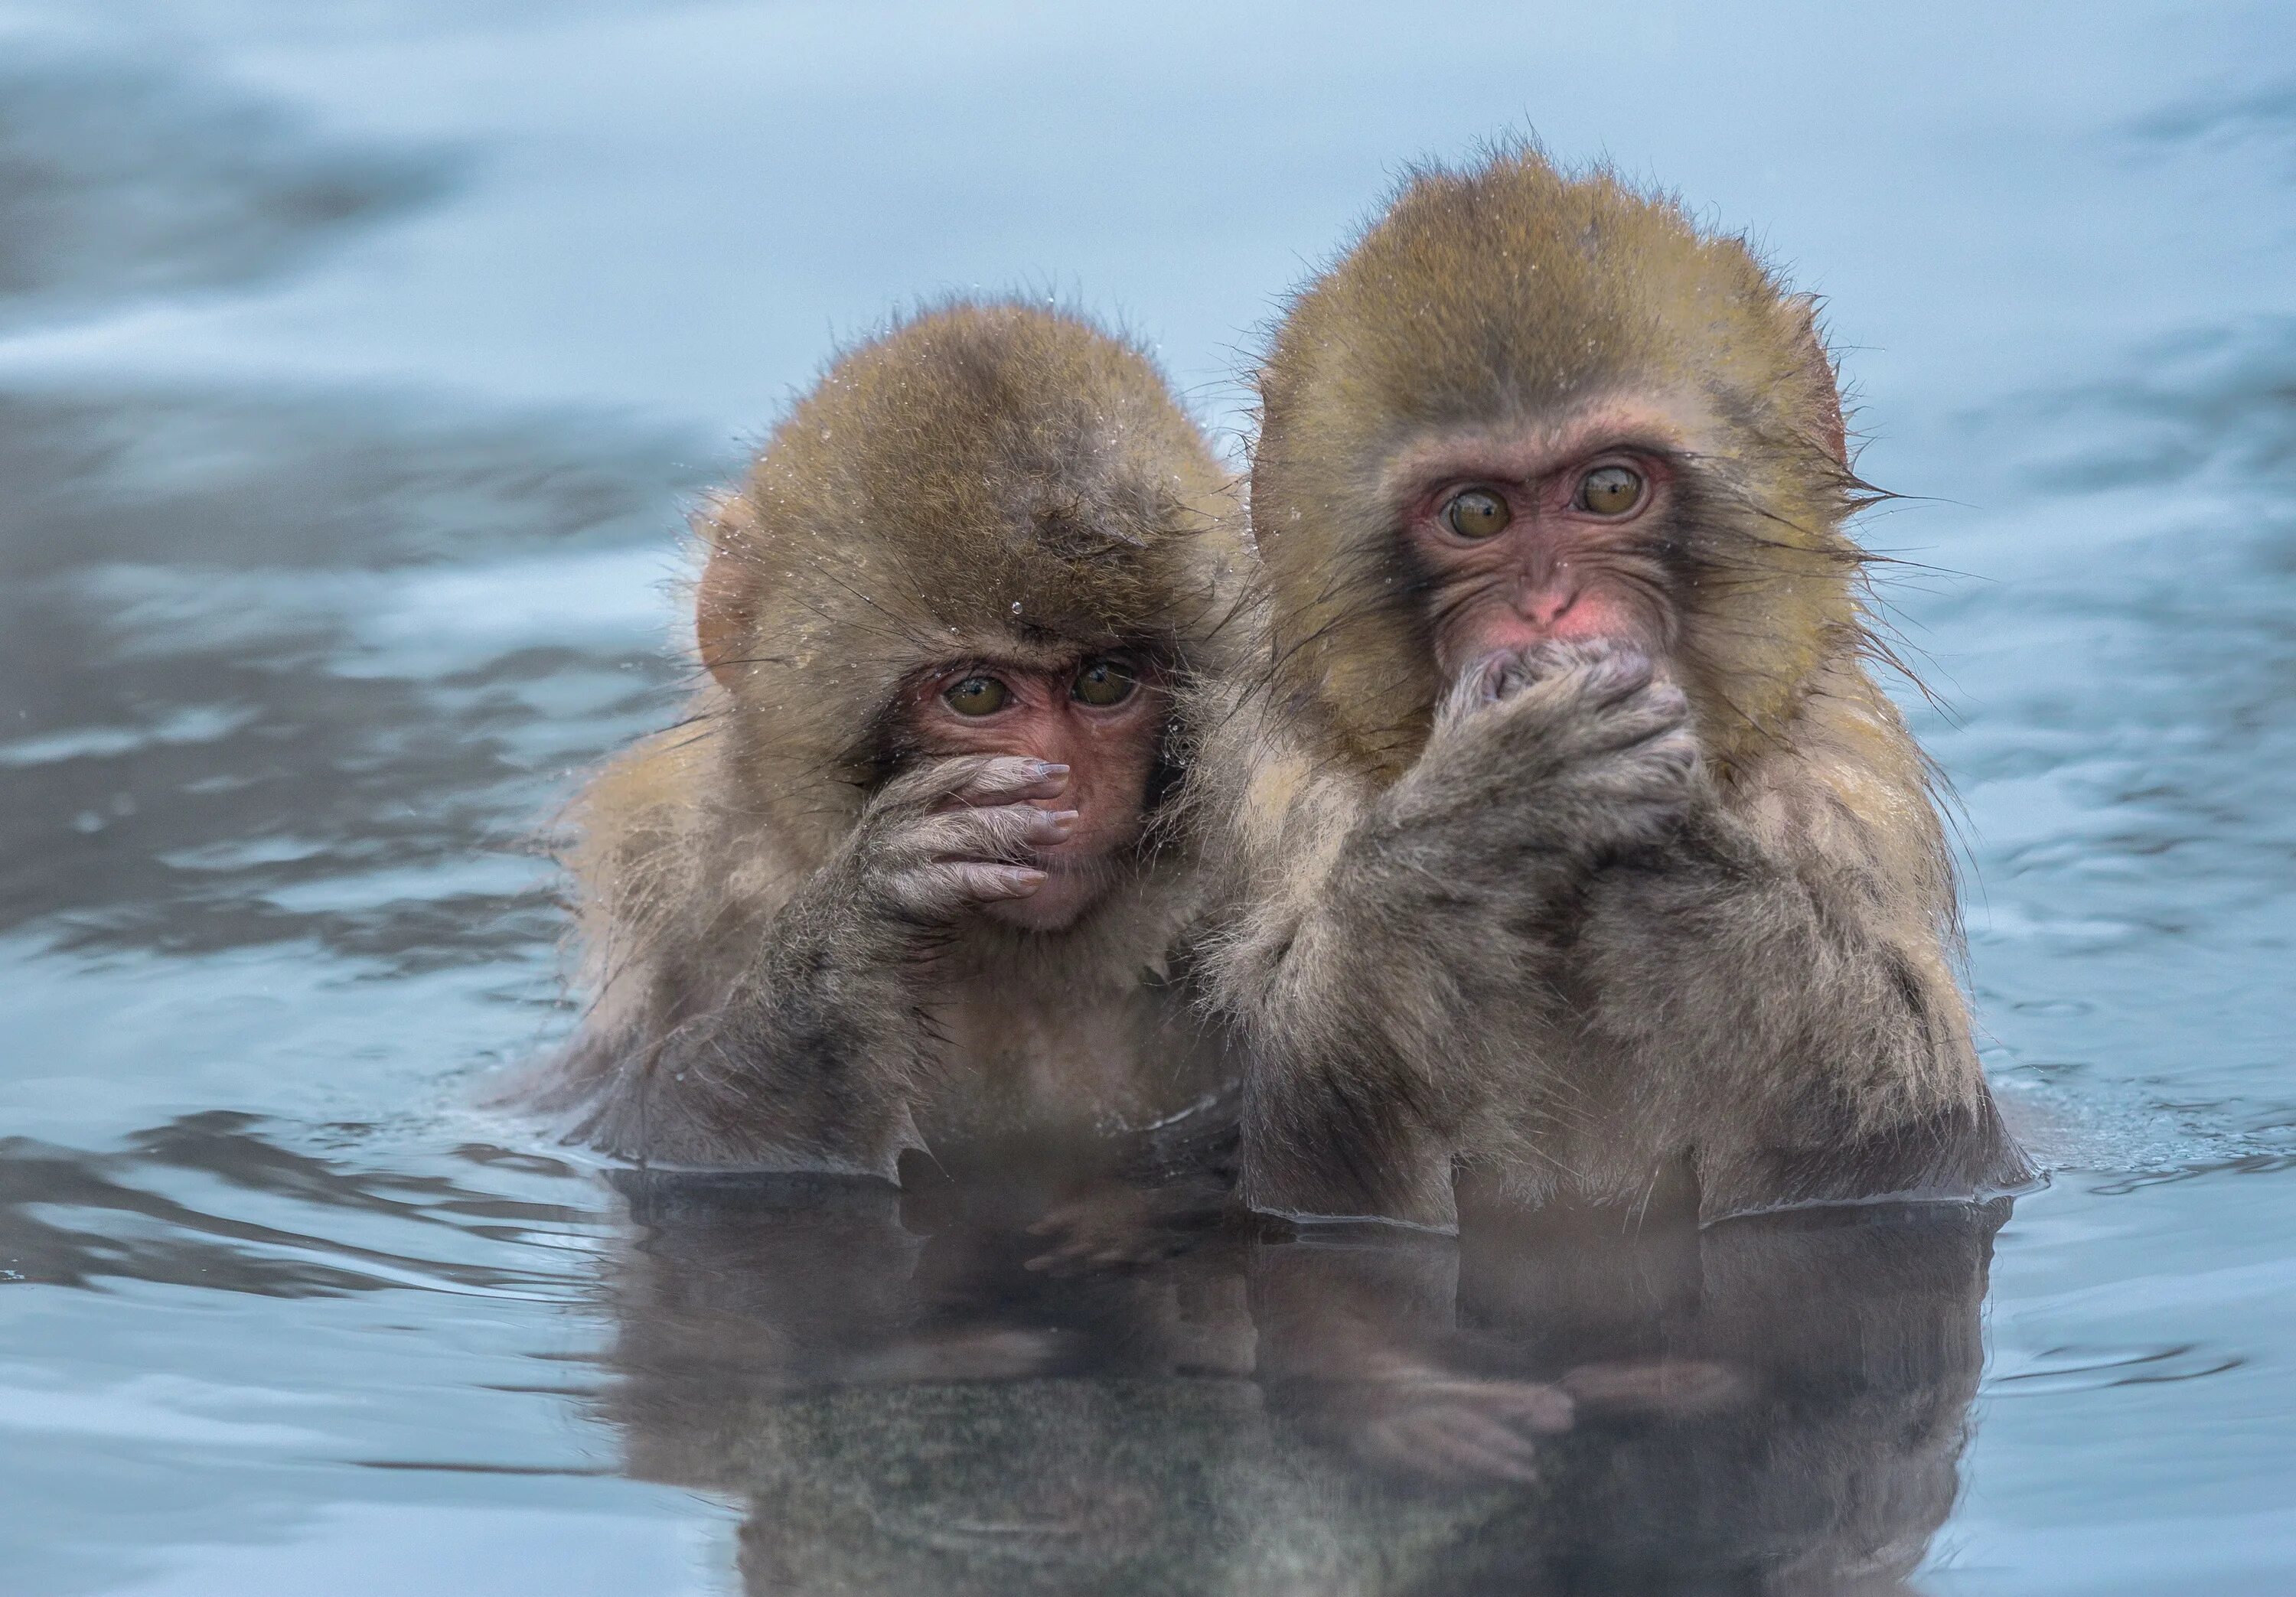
(984, 480)
(1542, 936)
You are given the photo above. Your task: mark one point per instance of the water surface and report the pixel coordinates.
(355, 363)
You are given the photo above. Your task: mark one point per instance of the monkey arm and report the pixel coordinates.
(1330, 1002)
(1802, 982)
(791, 1039)
(1552, 938)
(1396, 963)
(804, 1063)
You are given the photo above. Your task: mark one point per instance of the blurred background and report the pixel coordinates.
(357, 361)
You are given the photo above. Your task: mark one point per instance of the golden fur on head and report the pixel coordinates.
(1505, 297)
(986, 479)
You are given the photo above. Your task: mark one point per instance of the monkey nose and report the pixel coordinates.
(1546, 604)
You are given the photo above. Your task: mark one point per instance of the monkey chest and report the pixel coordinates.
(1072, 1068)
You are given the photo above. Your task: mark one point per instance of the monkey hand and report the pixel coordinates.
(1674, 1388)
(953, 834)
(1435, 1426)
(1582, 750)
(1120, 1224)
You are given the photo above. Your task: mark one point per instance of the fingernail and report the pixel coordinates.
(1051, 769)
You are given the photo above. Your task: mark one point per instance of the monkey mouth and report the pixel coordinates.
(1094, 872)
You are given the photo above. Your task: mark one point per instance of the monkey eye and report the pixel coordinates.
(1477, 514)
(978, 696)
(1610, 490)
(1102, 683)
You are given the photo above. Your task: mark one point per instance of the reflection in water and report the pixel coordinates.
(1777, 1404)
(283, 668)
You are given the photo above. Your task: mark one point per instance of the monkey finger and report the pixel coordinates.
(1595, 681)
(957, 781)
(1528, 1404)
(932, 782)
(1531, 1404)
(1493, 677)
(1013, 779)
(1451, 1444)
(1646, 741)
(1662, 1386)
(988, 883)
(1572, 731)
(1005, 833)
(936, 893)
(1480, 1448)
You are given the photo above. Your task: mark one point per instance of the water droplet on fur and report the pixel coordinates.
(1016, 607)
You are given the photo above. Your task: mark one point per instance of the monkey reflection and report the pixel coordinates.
(906, 1404)
(1773, 1405)
(1575, 837)
(899, 1405)
(908, 884)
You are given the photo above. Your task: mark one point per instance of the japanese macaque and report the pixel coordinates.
(904, 882)
(1578, 849)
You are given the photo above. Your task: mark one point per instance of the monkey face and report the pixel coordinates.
(1101, 715)
(1548, 539)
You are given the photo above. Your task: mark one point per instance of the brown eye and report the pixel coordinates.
(1477, 514)
(1610, 490)
(978, 696)
(1103, 682)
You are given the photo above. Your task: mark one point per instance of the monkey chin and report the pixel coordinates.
(1070, 890)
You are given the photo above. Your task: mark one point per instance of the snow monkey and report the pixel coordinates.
(905, 879)
(1580, 848)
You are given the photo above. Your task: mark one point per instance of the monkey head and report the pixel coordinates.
(1525, 409)
(989, 531)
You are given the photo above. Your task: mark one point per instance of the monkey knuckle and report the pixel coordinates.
(921, 836)
(936, 781)
(1474, 692)
(1002, 831)
(924, 893)
(1012, 820)
(1624, 678)
(1662, 699)
(1680, 745)
(1669, 761)
(969, 882)
(1007, 773)
(956, 884)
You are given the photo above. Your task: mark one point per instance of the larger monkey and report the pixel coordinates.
(1579, 846)
(897, 884)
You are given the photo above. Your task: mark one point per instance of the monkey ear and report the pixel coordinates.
(722, 607)
(1826, 424)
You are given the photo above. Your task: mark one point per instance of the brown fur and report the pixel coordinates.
(1555, 937)
(985, 481)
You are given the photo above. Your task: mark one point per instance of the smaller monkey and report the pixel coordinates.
(1577, 847)
(906, 880)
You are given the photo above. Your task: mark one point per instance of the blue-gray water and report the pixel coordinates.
(355, 363)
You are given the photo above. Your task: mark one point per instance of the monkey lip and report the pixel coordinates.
(1087, 873)
(1052, 863)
